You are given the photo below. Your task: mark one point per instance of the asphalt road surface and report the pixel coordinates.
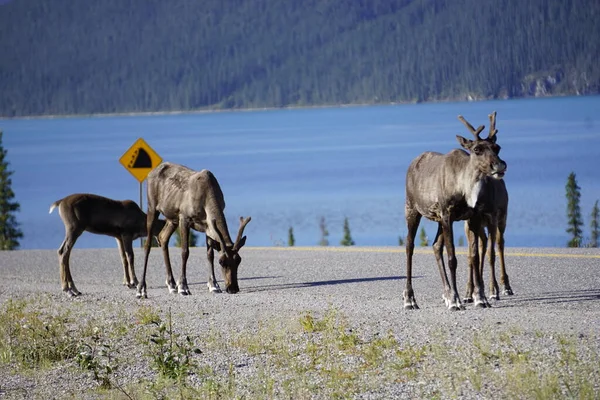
(366, 283)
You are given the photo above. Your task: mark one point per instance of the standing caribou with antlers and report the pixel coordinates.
(446, 188)
(192, 199)
(494, 219)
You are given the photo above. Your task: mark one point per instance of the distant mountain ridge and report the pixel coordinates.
(122, 56)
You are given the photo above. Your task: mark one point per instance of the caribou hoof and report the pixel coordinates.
(182, 289)
(409, 300)
(453, 303)
(131, 284)
(467, 300)
(171, 286)
(141, 292)
(508, 292)
(410, 304)
(214, 289)
(456, 306)
(72, 292)
(483, 304)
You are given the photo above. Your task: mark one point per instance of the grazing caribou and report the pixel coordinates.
(192, 199)
(495, 222)
(123, 220)
(446, 188)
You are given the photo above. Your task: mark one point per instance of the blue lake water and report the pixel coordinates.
(290, 167)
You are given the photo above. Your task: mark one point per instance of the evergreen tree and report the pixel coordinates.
(324, 233)
(574, 219)
(423, 237)
(347, 239)
(9, 227)
(400, 241)
(595, 229)
(192, 240)
(291, 239)
(280, 54)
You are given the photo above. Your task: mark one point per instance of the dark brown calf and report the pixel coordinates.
(123, 220)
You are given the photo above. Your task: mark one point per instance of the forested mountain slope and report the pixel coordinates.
(74, 57)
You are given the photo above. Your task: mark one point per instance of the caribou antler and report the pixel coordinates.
(243, 223)
(474, 131)
(493, 129)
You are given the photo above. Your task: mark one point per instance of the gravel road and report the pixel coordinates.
(557, 291)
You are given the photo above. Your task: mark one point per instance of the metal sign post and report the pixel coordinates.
(139, 160)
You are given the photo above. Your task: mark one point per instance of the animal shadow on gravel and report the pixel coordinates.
(559, 296)
(203, 283)
(298, 285)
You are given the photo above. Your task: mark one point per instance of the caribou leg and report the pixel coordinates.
(483, 243)
(152, 218)
(126, 248)
(412, 220)
(469, 292)
(123, 261)
(482, 237)
(164, 237)
(184, 231)
(473, 239)
(64, 255)
(213, 285)
(494, 289)
(500, 241)
(452, 298)
(438, 251)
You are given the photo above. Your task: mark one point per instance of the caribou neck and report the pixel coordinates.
(221, 225)
(472, 181)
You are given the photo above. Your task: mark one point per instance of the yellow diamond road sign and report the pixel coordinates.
(140, 159)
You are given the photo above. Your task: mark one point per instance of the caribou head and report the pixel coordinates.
(229, 257)
(484, 152)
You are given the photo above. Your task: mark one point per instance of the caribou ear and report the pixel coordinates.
(465, 143)
(241, 243)
(213, 243)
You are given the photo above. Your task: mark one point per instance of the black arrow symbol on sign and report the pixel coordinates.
(140, 159)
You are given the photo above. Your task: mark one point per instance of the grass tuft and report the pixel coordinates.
(32, 338)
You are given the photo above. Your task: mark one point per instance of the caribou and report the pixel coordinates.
(446, 188)
(123, 220)
(191, 199)
(495, 223)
